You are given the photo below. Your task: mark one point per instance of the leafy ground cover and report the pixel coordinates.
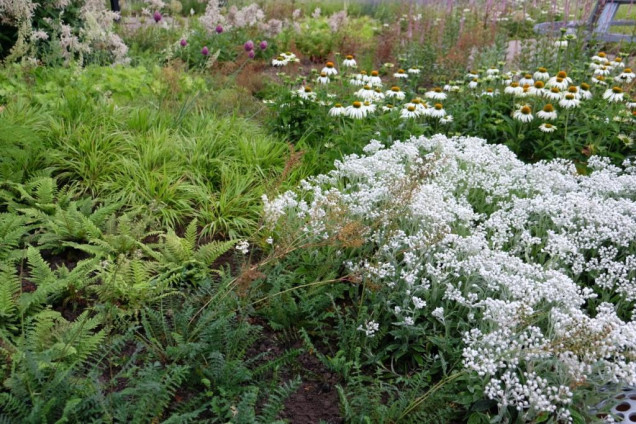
(274, 212)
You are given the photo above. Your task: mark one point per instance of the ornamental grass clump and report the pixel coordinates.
(528, 269)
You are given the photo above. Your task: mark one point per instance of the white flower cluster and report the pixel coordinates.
(519, 251)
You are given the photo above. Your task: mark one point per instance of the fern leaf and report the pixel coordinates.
(190, 240)
(39, 269)
(210, 252)
(276, 400)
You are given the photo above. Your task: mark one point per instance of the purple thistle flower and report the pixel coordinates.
(219, 29)
(248, 46)
(183, 42)
(157, 16)
(205, 51)
(263, 45)
(251, 54)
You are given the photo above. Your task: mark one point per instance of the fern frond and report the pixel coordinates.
(190, 239)
(10, 288)
(210, 252)
(39, 270)
(276, 400)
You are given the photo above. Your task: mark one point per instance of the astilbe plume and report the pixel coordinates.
(212, 16)
(338, 20)
(96, 29)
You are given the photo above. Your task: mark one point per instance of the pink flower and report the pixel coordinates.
(263, 45)
(157, 16)
(219, 29)
(205, 51)
(183, 42)
(248, 46)
(251, 54)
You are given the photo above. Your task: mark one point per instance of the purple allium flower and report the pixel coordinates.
(183, 42)
(248, 46)
(157, 16)
(251, 54)
(219, 29)
(205, 51)
(263, 45)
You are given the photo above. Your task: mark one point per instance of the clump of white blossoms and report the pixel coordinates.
(243, 247)
(537, 261)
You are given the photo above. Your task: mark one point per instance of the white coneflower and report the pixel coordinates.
(627, 76)
(369, 107)
(388, 108)
(446, 119)
(561, 43)
(421, 107)
(492, 71)
(337, 110)
(574, 90)
(473, 84)
(349, 62)
(395, 93)
(631, 104)
(451, 87)
(323, 78)
(414, 70)
(547, 128)
(584, 91)
(490, 78)
(279, 61)
(600, 57)
(490, 92)
(526, 80)
(375, 80)
(617, 63)
(595, 65)
(541, 74)
(547, 112)
(537, 89)
(357, 79)
(614, 95)
(437, 93)
(507, 78)
(437, 111)
(526, 91)
(379, 95)
(329, 69)
(514, 88)
(558, 82)
(366, 93)
(602, 70)
(306, 93)
(401, 74)
(290, 57)
(628, 141)
(569, 101)
(471, 75)
(409, 112)
(599, 79)
(524, 114)
(553, 94)
(356, 111)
